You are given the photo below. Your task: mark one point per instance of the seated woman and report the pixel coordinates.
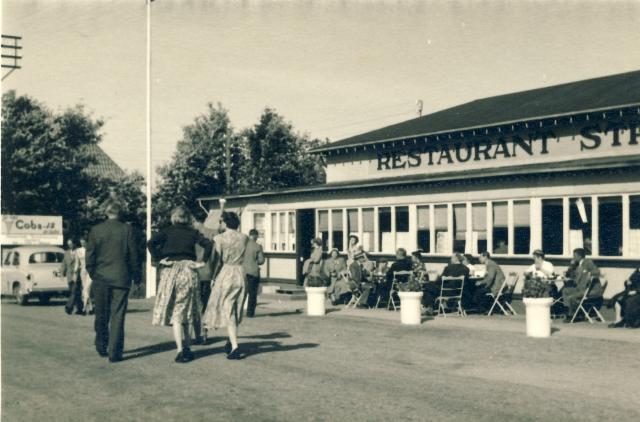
(335, 269)
(312, 268)
(627, 303)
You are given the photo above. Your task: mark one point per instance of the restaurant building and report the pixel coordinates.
(554, 168)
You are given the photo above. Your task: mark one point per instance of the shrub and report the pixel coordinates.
(535, 287)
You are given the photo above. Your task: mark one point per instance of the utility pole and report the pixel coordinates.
(10, 53)
(150, 270)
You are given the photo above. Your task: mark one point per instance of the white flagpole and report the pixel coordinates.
(150, 271)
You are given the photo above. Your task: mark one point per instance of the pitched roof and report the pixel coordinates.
(570, 98)
(104, 165)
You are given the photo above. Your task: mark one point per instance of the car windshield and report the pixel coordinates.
(46, 258)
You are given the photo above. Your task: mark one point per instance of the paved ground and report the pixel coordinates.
(349, 365)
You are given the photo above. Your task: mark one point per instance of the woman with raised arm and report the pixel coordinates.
(227, 296)
(178, 299)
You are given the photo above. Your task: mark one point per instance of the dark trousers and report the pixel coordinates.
(75, 296)
(253, 284)
(110, 309)
(205, 292)
(481, 298)
(430, 291)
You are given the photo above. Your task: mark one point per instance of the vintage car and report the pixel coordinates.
(32, 271)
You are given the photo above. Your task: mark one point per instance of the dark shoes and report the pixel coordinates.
(186, 355)
(115, 359)
(68, 310)
(235, 354)
(83, 313)
(227, 347)
(102, 353)
(619, 324)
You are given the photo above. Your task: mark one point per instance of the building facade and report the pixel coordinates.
(554, 169)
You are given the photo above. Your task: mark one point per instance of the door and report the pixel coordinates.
(305, 232)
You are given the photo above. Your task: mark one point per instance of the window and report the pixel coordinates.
(424, 229)
(292, 231)
(552, 226)
(258, 224)
(367, 229)
(402, 227)
(385, 241)
(46, 258)
(459, 227)
(336, 229)
(323, 228)
(274, 231)
(521, 227)
(479, 227)
(352, 222)
(443, 243)
(610, 222)
(634, 225)
(580, 224)
(500, 227)
(283, 236)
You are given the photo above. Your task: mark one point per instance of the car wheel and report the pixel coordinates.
(44, 299)
(19, 297)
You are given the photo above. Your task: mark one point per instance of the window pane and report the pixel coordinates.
(352, 221)
(336, 224)
(580, 224)
(367, 229)
(402, 219)
(500, 228)
(385, 241)
(323, 227)
(479, 215)
(283, 235)
(292, 231)
(522, 228)
(423, 228)
(552, 226)
(258, 224)
(443, 241)
(610, 222)
(459, 227)
(634, 225)
(274, 231)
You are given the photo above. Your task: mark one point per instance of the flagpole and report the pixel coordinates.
(150, 271)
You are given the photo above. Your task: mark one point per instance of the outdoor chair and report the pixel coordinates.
(393, 293)
(505, 295)
(591, 305)
(451, 293)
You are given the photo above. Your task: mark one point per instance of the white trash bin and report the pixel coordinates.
(538, 316)
(316, 300)
(410, 308)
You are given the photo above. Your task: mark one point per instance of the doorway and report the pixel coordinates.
(305, 232)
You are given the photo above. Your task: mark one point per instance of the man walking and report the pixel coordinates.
(253, 258)
(69, 268)
(112, 262)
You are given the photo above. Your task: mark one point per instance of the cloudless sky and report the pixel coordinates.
(333, 68)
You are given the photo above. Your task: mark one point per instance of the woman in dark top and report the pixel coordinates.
(178, 298)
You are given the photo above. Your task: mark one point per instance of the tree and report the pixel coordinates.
(198, 166)
(278, 157)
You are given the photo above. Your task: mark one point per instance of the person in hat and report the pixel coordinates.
(359, 274)
(312, 268)
(335, 269)
(540, 267)
(418, 267)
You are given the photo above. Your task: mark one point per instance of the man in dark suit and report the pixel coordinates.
(491, 283)
(112, 263)
(585, 271)
(253, 258)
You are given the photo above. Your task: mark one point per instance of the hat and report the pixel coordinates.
(538, 252)
(359, 255)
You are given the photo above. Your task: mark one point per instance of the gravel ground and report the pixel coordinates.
(349, 365)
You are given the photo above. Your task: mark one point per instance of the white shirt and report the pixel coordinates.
(546, 269)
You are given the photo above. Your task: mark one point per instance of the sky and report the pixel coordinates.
(332, 68)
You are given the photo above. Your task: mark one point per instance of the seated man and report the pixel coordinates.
(359, 279)
(627, 303)
(540, 267)
(491, 283)
(402, 263)
(585, 271)
(467, 260)
(335, 269)
(455, 268)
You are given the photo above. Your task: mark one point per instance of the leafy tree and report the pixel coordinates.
(278, 157)
(198, 166)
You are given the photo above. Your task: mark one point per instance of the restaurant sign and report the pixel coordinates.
(543, 145)
(31, 230)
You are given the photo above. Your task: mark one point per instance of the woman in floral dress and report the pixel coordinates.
(178, 299)
(226, 301)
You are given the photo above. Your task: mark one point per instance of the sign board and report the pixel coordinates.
(31, 230)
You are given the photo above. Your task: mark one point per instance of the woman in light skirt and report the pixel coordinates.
(178, 299)
(228, 294)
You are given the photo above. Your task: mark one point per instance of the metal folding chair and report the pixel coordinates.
(589, 305)
(393, 293)
(504, 296)
(451, 291)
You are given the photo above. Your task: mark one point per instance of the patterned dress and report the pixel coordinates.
(178, 298)
(227, 296)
